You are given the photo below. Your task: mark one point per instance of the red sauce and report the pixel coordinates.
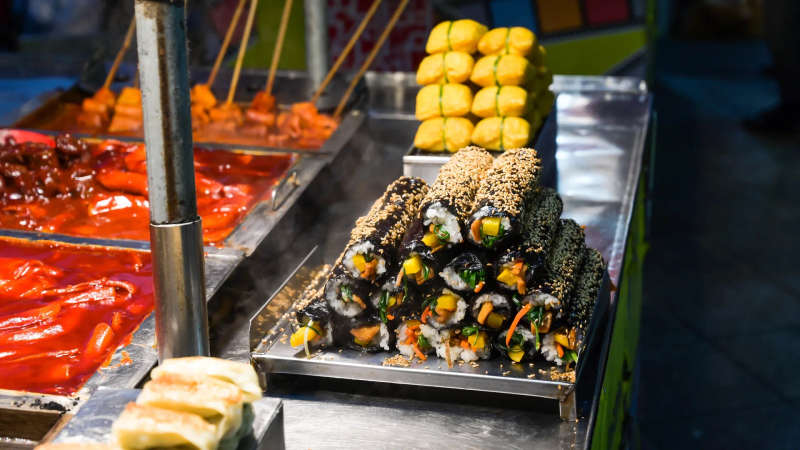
(64, 309)
(100, 190)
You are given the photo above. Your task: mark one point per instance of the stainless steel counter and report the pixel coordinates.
(602, 125)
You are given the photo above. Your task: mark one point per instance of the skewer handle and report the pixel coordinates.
(276, 53)
(248, 26)
(346, 51)
(370, 58)
(225, 42)
(120, 53)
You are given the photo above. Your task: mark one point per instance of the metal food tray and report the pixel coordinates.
(425, 165)
(290, 87)
(270, 330)
(141, 351)
(92, 423)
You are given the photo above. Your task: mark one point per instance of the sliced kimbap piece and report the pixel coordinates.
(347, 296)
(314, 328)
(519, 346)
(415, 338)
(449, 201)
(392, 302)
(580, 304)
(442, 307)
(501, 198)
(518, 266)
(447, 346)
(376, 236)
(561, 346)
(465, 273)
(420, 262)
(492, 309)
(363, 333)
(475, 343)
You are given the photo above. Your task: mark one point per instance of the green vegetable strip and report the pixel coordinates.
(502, 125)
(497, 101)
(449, 28)
(494, 69)
(441, 107)
(508, 35)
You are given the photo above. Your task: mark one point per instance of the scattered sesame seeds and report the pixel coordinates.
(397, 361)
(459, 179)
(510, 180)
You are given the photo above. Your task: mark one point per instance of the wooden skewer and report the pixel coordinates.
(248, 26)
(225, 42)
(370, 58)
(276, 53)
(118, 59)
(346, 51)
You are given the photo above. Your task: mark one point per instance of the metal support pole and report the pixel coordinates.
(316, 40)
(175, 228)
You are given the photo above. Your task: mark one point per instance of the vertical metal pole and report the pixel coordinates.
(175, 228)
(316, 16)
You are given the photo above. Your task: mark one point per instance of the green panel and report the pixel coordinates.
(268, 17)
(594, 54)
(615, 396)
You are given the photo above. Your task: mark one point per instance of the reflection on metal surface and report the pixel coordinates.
(93, 421)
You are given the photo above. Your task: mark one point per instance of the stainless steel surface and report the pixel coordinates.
(131, 363)
(316, 26)
(93, 421)
(176, 233)
(597, 180)
(164, 75)
(178, 280)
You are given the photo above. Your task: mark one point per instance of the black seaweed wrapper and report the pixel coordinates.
(342, 336)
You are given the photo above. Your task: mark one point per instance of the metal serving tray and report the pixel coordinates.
(290, 87)
(93, 421)
(425, 165)
(219, 262)
(270, 330)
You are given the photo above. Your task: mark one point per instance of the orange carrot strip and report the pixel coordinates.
(399, 279)
(486, 308)
(516, 320)
(479, 286)
(560, 350)
(425, 314)
(475, 228)
(419, 353)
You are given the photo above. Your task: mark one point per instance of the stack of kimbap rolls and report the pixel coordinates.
(515, 95)
(477, 265)
(444, 100)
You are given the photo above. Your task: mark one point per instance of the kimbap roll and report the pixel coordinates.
(519, 346)
(376, 236)
(443, 307)
(475, 343)
(363, 333)
(492, 310)
(501, 196)
(518, 265)
(459, 35)
(580, 304)
(415, 338)
(563, 261)
(347, 296)
(393, 301)
(465, 273)
(314, 327)
(561, 347)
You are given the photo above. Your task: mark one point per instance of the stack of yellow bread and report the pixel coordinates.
(511, 80)
(444, 101)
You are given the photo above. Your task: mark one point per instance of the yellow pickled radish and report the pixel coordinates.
(491, 226)
(412, 265)
(431, 240)
(561, 339)
(507, 277)
(495, 320)
(516, 354)
(446, 302)
(360, 262)
(296, 340)
(477, 340)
